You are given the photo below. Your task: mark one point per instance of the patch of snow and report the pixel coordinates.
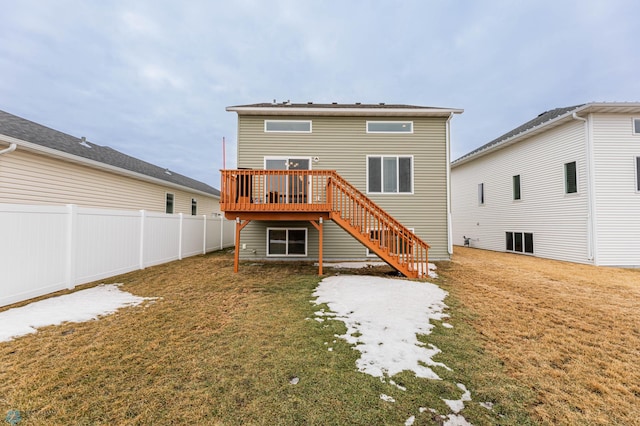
(387, 314)
(83, 305)
(456, 420)
(387, 398)
(456, 405)
(487, 405)
(410, 421)
(402, 388)
(372, 264)
(447, 325)
(294, 380)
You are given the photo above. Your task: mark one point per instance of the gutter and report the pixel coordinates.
(30, 146)
(448, 162)
(11, 148)
(591, 192)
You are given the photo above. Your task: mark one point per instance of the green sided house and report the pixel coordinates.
(341, 182)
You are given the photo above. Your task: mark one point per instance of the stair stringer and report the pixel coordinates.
(353, 211)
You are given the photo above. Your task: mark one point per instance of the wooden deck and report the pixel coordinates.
(317, 196)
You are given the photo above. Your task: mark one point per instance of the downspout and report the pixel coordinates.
(448, 160)
(11, 148)
(591, 213)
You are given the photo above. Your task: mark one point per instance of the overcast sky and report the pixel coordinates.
(152, 78)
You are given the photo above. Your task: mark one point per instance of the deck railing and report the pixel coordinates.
(274, 190)
(326, 191)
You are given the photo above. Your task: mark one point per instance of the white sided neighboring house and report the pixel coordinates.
(42, 166)
(565, 186)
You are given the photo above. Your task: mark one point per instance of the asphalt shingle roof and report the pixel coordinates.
(356, 105)
(20, 128)
(539, 120)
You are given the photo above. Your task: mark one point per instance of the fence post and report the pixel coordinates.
(72, 222)
(181, 216)
(143, 223)
(221, 232)
(204, 235)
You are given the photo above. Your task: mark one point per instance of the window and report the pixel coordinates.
(570, 178)
(290, 126)
(389, 126)
(516, 187)
(638, 174)
(286, 241)
(389, 174)
(636, 126)
(194, 207)
(481, 194)
(169, 204)
(520, 242)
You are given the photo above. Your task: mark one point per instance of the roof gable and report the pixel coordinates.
(545, 121)
(28, 131)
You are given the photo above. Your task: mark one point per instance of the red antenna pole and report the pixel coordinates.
(224, 155)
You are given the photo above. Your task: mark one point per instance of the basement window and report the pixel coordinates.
(519, 242)
(286, 241)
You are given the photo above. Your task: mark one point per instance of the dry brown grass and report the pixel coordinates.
(570, 332)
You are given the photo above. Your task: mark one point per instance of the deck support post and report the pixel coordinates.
(236, 257)
(318, 226)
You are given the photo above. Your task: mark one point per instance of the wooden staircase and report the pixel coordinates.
(376, 229)
(258, 195)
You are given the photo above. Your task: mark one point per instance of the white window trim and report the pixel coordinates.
(173, 202)
(288, 131)
(388, 132)
(523, 244)
(413, 167)
(194, 200)
(306, 242)
(633, 126)
(513, 198)
(564, 172)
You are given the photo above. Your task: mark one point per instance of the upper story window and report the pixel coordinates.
(168, 203)
(481, 194)
(389, 126)
(516, 188)
(194, 207)
(288, 126)
(636, 126)
(389, 174)
(570, 178)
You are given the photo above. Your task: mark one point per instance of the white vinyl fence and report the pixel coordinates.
(49, 248)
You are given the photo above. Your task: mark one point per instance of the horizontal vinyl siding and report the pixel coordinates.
(557, 220)
(28, 178)
(617, 201)
(342, 144)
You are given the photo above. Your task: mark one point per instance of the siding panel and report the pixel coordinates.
(28, 178)
(557, 220)
(342, 144)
